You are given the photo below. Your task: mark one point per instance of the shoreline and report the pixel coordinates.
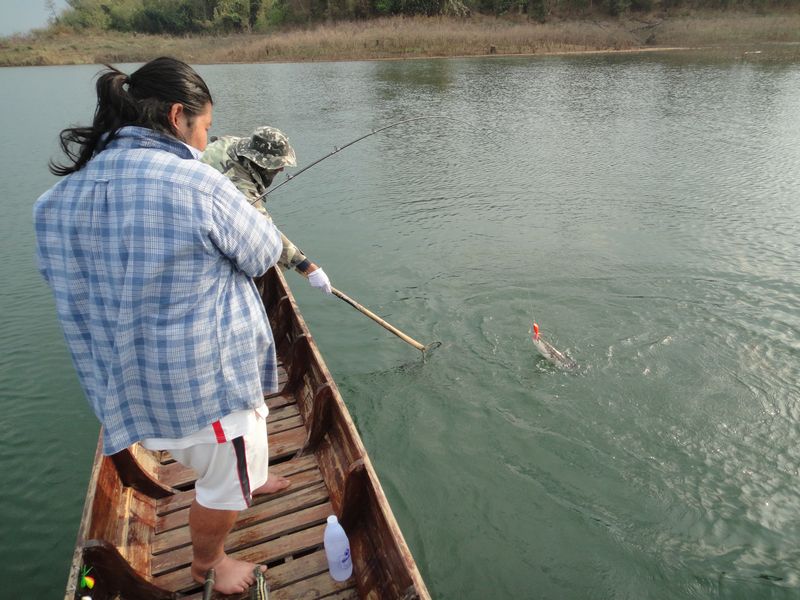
(402, 38)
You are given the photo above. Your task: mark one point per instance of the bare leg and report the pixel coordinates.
(208, 528)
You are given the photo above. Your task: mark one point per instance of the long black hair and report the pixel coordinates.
(143, 98)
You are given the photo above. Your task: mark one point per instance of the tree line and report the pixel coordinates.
(179, 17)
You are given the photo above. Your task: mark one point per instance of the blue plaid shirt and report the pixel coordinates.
(150, 256)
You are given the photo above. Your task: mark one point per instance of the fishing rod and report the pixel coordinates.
(338, 149)
(342, 296)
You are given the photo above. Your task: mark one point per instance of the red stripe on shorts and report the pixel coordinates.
(218, 432)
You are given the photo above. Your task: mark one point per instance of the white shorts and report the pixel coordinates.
(227, 473)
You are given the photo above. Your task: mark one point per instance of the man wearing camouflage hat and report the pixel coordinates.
(251, 163)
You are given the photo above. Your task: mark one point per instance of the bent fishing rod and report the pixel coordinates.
(338, 149)
(342, 296)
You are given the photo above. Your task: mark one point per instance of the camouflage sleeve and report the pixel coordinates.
(217, 156)
(243, 182)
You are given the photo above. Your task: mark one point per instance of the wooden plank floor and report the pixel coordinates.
(282, 530)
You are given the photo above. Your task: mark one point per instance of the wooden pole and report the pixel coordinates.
(378, 320)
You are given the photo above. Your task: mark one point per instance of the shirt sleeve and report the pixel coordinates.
(291, 255)
(40, 259)
(250, 242)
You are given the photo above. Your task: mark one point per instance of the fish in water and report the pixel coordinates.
(558, 358)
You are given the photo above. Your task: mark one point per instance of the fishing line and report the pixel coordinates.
(338, 149)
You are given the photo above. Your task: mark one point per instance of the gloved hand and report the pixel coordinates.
(319, 280)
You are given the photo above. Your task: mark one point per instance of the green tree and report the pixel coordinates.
(232, 15)
(386, 7)
(122, 14)
(537, 10)
(255, 9)
(50, 7)
(86, 14)
(421, 7)
(617, 7)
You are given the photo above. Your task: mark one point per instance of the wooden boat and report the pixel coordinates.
(134, 532)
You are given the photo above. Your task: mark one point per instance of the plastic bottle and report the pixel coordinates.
(337, 550)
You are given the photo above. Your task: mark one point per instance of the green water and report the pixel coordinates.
(644, 209)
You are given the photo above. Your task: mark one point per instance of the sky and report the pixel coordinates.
(20, 16)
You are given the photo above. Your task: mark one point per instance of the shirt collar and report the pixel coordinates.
(196, 154)
(132, 136)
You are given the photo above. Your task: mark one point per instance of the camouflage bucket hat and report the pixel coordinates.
(268, 148)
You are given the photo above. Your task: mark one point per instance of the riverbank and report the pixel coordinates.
(404, 37)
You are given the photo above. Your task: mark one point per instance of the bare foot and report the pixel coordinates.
(232, 576)
(274, 484)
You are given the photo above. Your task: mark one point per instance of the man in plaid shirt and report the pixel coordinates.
(150, 255)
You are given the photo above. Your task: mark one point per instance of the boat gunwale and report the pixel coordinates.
(401, 547)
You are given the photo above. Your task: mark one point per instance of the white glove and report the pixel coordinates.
(319, 280)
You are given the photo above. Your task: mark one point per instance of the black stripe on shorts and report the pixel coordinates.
(241, 468)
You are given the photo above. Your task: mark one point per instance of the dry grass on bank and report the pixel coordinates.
(438, 36)
(401, 37)
(737, 29)
(66, 48)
